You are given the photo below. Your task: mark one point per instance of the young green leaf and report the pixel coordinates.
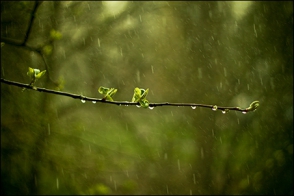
(32, 72)
(39, 75)
(137, 95)
(144, 93)
(35, 74)
(103, 90)
(107, 92)
(253, 106)
(144, 103)
(140, 97)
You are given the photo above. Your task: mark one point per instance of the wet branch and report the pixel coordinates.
(253, 106)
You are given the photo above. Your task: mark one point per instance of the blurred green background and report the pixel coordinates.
(223, 53)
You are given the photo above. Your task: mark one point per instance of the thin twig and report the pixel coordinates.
(126, 103)
(32, 18)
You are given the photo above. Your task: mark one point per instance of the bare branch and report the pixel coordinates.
(224, 109)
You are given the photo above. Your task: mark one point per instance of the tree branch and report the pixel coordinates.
(31, 22)
(224, 109)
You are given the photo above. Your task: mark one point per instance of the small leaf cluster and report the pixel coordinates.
(138, 97)
(107, 92)
(54, 35)
(35, 74)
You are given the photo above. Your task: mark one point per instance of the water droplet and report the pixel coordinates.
(193, 107)
(138, 106)
(151, 107)
(244, 112)
(83, 101)
(126, 105)
(214, 108)
(224, 111)
(94, 102)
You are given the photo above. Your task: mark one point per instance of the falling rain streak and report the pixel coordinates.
(57, 183)
(63, 52)
(225, 72)
(99, 43)
(202, 153)
(194, 179)
(255, 33)
(179, 165)
(152, 69)
(48, 129)
(114, 182)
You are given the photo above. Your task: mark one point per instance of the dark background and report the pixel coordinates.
(223, 53)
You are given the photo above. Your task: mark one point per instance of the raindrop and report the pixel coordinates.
(83, 101)
(193, 107)
(126, 105)
(138, 106)
(244, 112)
(225, 111)
(214, 108)
(94, 102)
(151, 107)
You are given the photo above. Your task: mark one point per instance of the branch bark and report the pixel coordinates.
(224, 109)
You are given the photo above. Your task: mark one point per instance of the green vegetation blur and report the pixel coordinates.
(223, 53)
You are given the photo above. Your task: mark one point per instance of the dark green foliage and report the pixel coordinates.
(188, 52)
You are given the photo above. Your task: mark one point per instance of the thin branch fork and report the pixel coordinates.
(127, 103)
